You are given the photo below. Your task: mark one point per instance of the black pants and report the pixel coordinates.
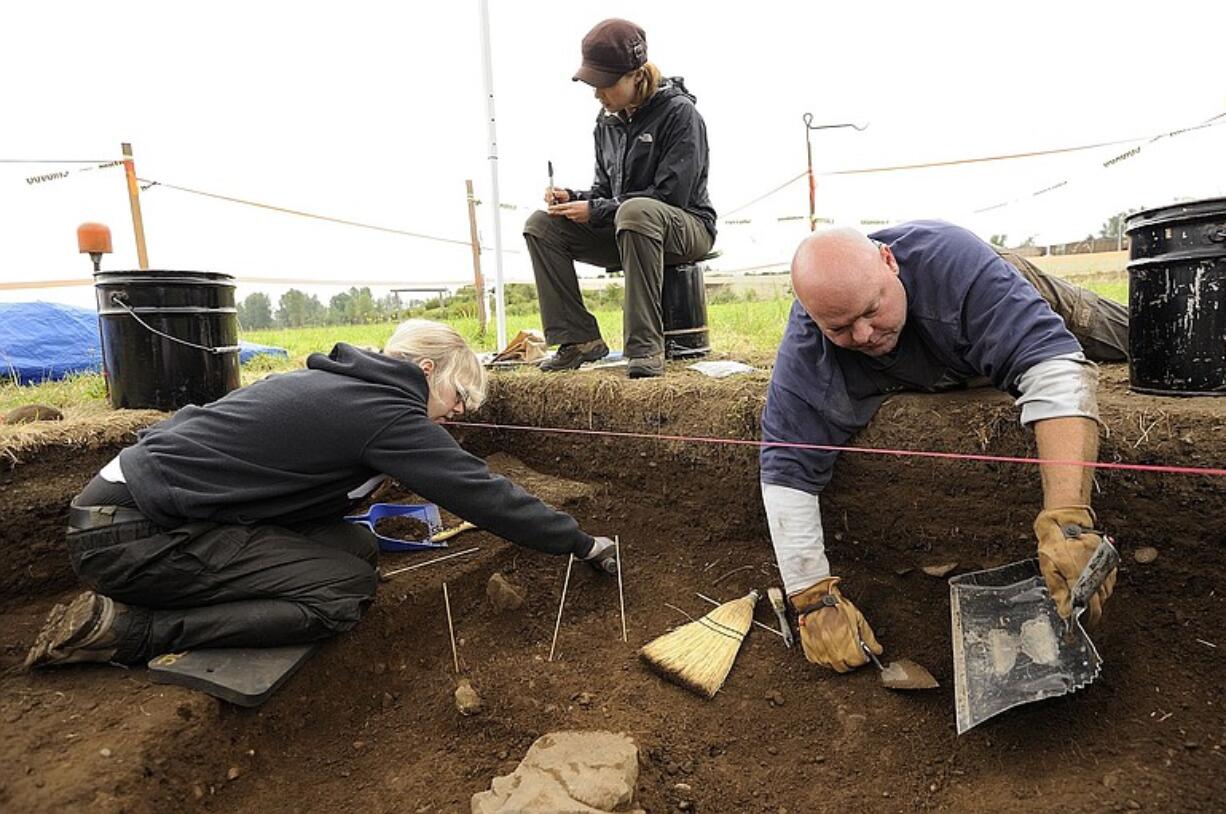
(212, 585)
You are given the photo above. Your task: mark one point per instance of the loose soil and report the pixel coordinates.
(403, 528)
(370, 724)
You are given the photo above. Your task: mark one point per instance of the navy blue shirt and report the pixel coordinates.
(969, 313)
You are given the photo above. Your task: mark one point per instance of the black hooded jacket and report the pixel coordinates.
(661, 152)
(311, 444)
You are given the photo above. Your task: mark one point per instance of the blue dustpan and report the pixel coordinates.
(425, 512)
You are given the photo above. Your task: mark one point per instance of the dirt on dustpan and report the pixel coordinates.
(402, 527)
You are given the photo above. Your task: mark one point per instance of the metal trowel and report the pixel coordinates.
(901, 674)
(1011, 647)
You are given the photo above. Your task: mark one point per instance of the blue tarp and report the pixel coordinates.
(43, 341)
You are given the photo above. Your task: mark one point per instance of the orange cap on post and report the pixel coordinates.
(93, 238)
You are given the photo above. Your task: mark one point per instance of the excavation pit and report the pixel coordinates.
(369, 724)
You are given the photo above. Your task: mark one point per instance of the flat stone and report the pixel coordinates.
(503, 595)
(939, 570)
(581, 772)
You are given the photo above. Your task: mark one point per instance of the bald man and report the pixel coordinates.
(919, 306)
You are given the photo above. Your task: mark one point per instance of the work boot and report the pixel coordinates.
(573, 354)
(84, 630)
(646, 367)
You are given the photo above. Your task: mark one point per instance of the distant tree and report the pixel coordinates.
(361, 309)
(999, 240)
(296, 309)
(1114, 225)
(255, 312)
(1028, 242)
(338, 308)
(388, 308)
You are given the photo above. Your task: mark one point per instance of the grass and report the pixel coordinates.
(736, 327)
(747, 329)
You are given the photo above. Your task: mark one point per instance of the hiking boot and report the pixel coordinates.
(82, 631)
(571, 355)
(646, 367)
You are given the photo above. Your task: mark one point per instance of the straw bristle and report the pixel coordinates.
(699, 655)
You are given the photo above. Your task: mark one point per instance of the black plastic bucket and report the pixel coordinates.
(169, 338)
(685, 312)
(1177, 299)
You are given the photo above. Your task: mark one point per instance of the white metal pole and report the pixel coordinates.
(487, 60)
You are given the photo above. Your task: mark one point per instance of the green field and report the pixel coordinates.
(747, 329)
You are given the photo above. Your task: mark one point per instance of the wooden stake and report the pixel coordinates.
(621, 596)
(138, 225)
(450, 630)
(565, 583)
(478, 278)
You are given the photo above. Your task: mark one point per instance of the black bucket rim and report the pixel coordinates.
(1187, 210)
(1159, 391)
(1170, 258)
(165, 276)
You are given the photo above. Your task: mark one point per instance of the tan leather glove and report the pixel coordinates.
(1067, 541)
(831, 627)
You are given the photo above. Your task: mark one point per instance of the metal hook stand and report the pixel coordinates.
(809, 127)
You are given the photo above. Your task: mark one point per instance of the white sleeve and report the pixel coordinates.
(796, 531)
(1060, 387)
(111, 473)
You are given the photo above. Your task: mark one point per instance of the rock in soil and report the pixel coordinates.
(1145, 555)
(503, 595)
(567, 771)
(939, 570)
(466, 699)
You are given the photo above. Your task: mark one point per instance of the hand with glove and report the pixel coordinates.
(603, 556)
(1067, 541)
(831, 628)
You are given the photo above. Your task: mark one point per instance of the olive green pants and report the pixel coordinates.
(646, 236)
(1100, 325)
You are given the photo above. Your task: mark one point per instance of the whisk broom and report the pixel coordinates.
(699, 655)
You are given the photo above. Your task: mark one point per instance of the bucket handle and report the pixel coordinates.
(1217, 237)
(118, 300)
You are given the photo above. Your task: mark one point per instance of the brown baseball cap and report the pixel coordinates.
(611, 49)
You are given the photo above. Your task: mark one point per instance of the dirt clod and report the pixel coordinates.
(28, 413)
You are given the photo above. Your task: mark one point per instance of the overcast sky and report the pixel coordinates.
(374, 112)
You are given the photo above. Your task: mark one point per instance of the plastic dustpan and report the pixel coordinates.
(425, 512)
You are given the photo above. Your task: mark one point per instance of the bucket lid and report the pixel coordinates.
(163, 277)
(1185, 211)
